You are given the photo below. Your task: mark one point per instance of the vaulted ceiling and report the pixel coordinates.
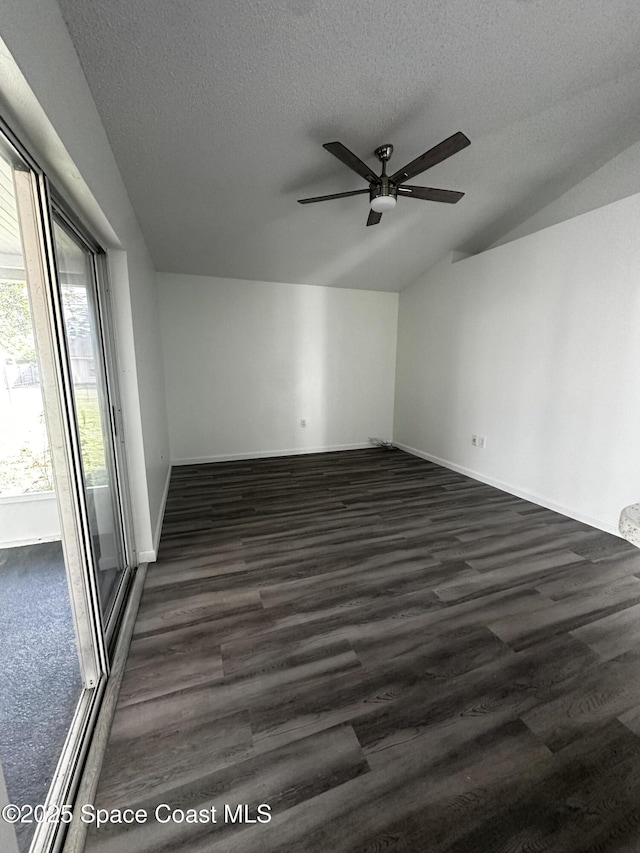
(217, 111)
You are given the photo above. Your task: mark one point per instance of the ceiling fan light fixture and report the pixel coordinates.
(383, 188)
(383, 203)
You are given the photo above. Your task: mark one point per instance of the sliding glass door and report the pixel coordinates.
(41, 681)
(93, 409)
(64, 567)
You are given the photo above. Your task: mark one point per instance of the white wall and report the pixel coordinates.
(32, 518)
(46, 99)
(246, 361)
(536, 345)
(28, 519)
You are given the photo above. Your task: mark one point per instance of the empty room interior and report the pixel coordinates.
(319, 426)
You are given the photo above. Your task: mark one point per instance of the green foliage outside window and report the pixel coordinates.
(29, 468)
(16, 333)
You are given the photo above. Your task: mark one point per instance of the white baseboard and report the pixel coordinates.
(541, 500)
(147, 557)
(267, 454)
(163, 506)
(151, 555)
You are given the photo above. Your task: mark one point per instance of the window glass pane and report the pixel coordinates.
(41, 682)
(79, 301)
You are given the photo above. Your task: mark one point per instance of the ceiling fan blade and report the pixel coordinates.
(328, 197)
(430, 194)
(374, 217)
(349, 159)
(431, 157)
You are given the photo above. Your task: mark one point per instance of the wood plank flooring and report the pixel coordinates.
(391, 656)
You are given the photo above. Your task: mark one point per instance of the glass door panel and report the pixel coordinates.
(78, 289)
(41, 683)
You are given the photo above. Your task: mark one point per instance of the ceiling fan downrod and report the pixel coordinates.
(383, 196)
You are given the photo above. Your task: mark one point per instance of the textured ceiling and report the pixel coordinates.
(217, 111)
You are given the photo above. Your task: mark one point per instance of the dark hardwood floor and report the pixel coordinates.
(391, 656)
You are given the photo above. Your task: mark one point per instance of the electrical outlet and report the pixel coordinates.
(303, 422)
(474, 440)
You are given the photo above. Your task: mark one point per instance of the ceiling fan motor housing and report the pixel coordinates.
(385, 193)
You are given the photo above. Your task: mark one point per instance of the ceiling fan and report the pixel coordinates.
(384, 189)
